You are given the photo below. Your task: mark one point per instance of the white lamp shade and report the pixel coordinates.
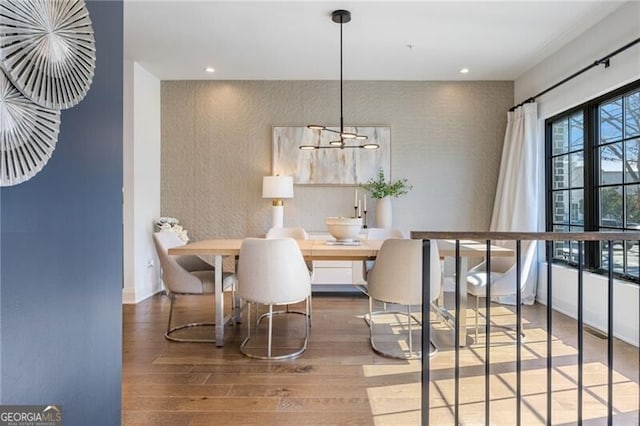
(277, 187)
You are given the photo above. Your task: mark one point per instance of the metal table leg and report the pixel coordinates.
(462, 288)
(219, 292)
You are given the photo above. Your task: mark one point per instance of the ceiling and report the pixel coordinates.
(385, 40)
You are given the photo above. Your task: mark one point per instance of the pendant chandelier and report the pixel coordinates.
(339, 17)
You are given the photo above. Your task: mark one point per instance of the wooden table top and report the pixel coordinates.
(311, 249)
(320, 250)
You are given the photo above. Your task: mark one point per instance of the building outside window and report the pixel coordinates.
(593, 178)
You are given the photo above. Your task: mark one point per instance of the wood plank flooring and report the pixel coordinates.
(340, 381)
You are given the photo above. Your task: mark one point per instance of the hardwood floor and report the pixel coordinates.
(339, 380)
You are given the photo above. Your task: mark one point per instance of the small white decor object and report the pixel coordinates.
(47, 49)
(344, 229)
(170, 224)
(28, 135)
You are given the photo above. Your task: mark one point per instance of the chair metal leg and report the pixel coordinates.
(172, 299)
(367, 318)
(370, 318)
(170, 330)
(409, 327)
(308, 319)
(410, 318)
(270, 316)
(477, 315)
(248, 320)
(271, 328)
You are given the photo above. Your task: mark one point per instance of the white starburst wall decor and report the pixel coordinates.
(28, 135)
(47, 49)
(47, 62)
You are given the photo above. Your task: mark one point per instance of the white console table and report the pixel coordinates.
(335, 272)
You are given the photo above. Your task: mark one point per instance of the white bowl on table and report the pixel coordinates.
(344, 229)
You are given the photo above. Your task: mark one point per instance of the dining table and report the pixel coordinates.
(329, 250)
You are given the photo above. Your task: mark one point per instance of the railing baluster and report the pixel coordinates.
(549, 329)
(582, 240)
(487, 344)
(610, 338)
(426, 329)
(457, 338)
(580, 330)
(519, 333)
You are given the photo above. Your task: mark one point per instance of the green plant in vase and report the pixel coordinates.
(382, 190)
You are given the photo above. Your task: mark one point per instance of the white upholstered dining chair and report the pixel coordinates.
(293, 232)
(396, 278)
(503, 278)
(186, 275)
(377, 234)
(273, 272)
(384, 233)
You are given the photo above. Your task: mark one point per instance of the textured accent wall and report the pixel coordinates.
(446, 139)
(61, 255)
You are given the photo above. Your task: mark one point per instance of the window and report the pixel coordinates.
(593, 178)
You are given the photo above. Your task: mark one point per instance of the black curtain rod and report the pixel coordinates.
(603, 61)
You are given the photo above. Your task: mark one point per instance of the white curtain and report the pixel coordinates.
(516, 207)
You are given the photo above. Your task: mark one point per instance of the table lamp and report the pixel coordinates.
(277, 187)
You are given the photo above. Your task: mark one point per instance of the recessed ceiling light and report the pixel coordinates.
(210, 69)
(464, 70)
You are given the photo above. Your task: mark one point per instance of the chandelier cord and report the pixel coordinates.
(339, 17)
(341, 115)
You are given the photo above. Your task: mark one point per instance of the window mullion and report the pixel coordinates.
(592, 215)
(562, 198)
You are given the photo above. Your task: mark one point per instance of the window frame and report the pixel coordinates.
(591, 177)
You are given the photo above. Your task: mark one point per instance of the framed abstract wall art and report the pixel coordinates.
(330, 166)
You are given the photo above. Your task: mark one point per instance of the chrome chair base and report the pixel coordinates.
(269, 315)
(405, 355)
(171, 330)
(275, 313)
(168, 335)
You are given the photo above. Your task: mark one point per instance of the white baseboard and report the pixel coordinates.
(129, 296)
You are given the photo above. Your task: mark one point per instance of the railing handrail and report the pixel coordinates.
(541, 236)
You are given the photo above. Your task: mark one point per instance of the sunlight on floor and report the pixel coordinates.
(399, 403)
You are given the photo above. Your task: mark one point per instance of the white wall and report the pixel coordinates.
(142, 182)
(565, 295)
(618, 29)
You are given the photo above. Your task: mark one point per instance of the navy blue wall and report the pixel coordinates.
(61, 255)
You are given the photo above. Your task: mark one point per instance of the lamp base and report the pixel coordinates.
(277, 216)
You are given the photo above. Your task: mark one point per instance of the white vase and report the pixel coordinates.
(383, 212)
